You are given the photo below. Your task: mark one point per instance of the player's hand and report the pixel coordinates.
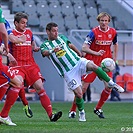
(101, 52)
(12, 60)
(57, 49)
(2, 48)
(23, 38)
(36, 49)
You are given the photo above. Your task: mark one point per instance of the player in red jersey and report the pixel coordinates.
(6, 75)
(96, 47)
(13, 62)
(26, 69)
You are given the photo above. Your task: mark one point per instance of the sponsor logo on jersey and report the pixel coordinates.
(27, 43)
(99, 35)
(102, 42)
(60, 53)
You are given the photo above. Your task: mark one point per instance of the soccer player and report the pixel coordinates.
(21, 39)
(6, 75)
(27, 70)
(96, 47)
(65, 58)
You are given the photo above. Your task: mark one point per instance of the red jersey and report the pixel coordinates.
(23, 51)
(101, 40)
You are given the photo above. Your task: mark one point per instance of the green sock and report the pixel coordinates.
(80, 103)
(101, 74)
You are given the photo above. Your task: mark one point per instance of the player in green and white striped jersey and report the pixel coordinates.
(70, 65)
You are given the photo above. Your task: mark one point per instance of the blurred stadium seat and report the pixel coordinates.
(16, 6)
(129, 86)
(80, 14)
(44, 21)
(120, 81)
(120, 25)
(128, 79)
(83, 21)
(42, 8)
(33, 20)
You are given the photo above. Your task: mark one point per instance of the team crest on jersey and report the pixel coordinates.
(109, 36)
(60, 53)
(28, 36)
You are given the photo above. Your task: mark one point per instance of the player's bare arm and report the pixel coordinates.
(4, 36)
(115, 51)
(12, 60)
(49, 52)
(75, 49)
(15, 39)
(86, 49)
(35, 48)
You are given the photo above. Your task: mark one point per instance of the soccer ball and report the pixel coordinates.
(108, 64)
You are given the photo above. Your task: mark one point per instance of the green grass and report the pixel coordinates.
(118, 116)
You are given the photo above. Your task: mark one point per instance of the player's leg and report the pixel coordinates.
(36, 80)
(3, 91)
(11, 97)
(3, 86)
(9, 76)
(102, 75)
(86, 80)
(80, 103)
(72, 112)
(88, 93)
(103, 98)
(26, 108)
(45, 101)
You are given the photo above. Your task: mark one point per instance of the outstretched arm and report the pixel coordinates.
(75, 49)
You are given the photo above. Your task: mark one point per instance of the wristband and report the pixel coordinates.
(50, 51)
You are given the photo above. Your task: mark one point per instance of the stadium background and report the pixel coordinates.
(75, 18)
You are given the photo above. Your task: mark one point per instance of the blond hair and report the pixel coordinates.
(102, 14)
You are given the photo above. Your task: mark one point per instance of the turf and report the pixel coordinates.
(119, 118)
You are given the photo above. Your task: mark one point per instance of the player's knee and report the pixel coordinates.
(41, 92)
(79, 95)
(92, 66)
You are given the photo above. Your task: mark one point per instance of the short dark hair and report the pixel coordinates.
(18, 16)
(50, 25)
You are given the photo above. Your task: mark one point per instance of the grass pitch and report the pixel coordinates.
(119, 119)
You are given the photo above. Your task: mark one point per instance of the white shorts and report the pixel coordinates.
(73, 77)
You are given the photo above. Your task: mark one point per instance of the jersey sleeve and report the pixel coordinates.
(2, 19)
(115, 39)
(43, 47)
(65, 39)
(89, 38)
(8, 27)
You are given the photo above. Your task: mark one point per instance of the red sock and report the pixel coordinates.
(22, 96)
(3, 91)
(45, 101)
(104, 96)
(11, 98)
(74, 106)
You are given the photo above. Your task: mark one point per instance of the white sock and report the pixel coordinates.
(111, 82)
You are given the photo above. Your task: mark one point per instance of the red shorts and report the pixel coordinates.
(8, 72)
(29, 73)
(89, 78)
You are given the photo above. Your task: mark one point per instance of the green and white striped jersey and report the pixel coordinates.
(2, 19)
(63, 60)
